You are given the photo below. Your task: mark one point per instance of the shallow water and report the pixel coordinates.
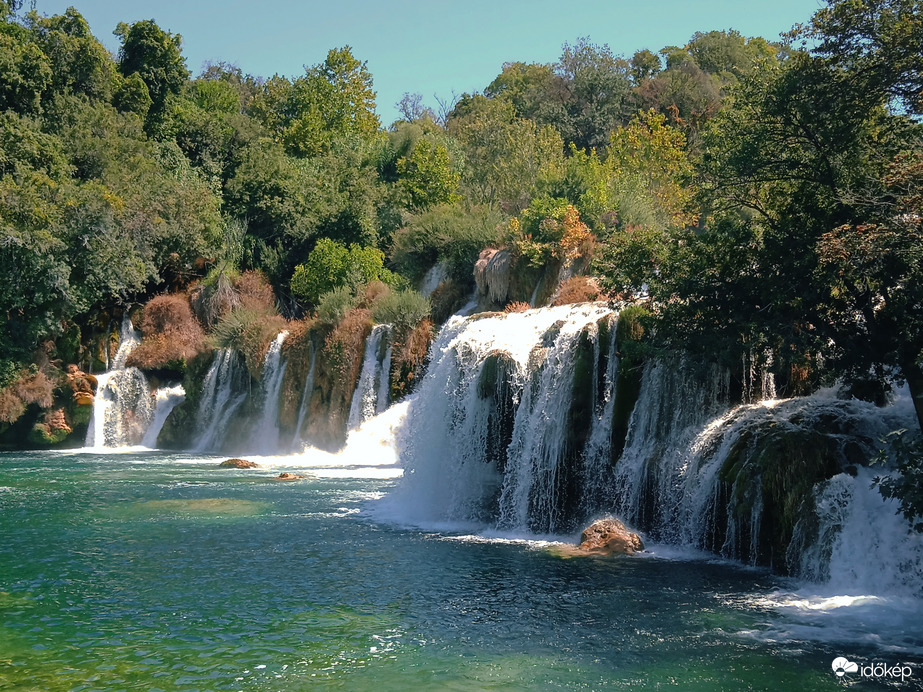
(153, 571)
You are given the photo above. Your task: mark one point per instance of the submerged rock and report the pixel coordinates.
(609, 537)
(238, 464)
(288, 477)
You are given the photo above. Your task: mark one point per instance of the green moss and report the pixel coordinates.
(42, 436)
(629, 331)
(80, 415)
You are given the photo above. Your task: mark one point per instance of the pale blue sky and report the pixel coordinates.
(428, 47)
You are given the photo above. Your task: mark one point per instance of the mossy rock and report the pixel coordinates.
(629, 331)
(778, 467)
(43, 436)
(81, 415)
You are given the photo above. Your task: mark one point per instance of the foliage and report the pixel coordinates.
(333, 305)
(155, 56)
(507, 157)
(577, 289)
(427, 177)
(403, 309)
(549, 228)
(331, 265)
(450, 234)
(333, 99)
(907, 486)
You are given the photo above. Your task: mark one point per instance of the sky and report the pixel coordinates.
(433, 48)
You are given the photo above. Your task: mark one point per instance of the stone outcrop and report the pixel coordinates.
(609, 537)
(238, 464)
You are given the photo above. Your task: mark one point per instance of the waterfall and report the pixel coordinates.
(222, 394)
(305, 402)
(435, 275)
(373, 385)
(485, 439)
(166, 399)
(266, 431)
(122, 409)
(512, 428)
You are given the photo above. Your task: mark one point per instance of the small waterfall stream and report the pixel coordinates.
(305, 402)
(122, 409)
(373, 385)
(223, 391)
(265, 434)
(167, 399)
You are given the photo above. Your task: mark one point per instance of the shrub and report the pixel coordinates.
(171, 334)
(401, 308)
(577, 289)
(215, 296)
(255, 292)
(331, 265)
(28, 388)
(447, 299)
(451, 234)
(517, 306)
(345, 346)
(35, 388)
(249, 331)
(373, 292)
(333, 305)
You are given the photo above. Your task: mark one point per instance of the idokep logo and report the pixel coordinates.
(842, 665)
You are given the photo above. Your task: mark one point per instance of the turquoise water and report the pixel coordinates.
(163, 572)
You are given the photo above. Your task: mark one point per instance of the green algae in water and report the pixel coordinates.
(217, 507)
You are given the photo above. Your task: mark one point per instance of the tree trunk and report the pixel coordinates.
(914, 375)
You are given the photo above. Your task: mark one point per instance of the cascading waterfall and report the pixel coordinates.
(122, 409)
(512, 428)
(371, 394)
(297, 442)
(223, 392)
(485, 438)
(266, 431)
(166, 399)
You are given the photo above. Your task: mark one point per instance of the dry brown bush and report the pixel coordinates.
(373, 291)
(171, 333)
(35, 389)
(213, 302)
(409, 355)
(518, 306)
(255, 292)
(577, 289)
(345, 345)
(11, 406)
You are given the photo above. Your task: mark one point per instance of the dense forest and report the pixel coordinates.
(764, 199)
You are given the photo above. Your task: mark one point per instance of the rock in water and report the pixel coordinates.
(238, 464)
(288, 477)
(609, 537)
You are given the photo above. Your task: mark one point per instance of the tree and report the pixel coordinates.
(156, 56)
(506, 157)
(332, 265)
(427, 176)
(334, 99)
(876, 41)
(600, 93)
